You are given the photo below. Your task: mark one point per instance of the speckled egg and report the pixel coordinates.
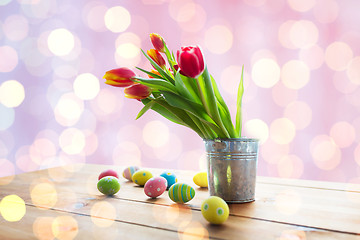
(155, 186)
(181, 193)
(200, 179)
(140, 177)
(215, 210)
(129, 171)
(108, 172)
(108, 185)
(170, 178)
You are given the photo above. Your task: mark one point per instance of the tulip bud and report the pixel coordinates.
(191, 61)
(158, 42)
(154, 72)
(137, 91)
(156, 56)
(120, 77)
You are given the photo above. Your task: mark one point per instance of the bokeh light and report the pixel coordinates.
(282, 130)
(12, 93)
(325, 153)
(156, 134)
(12, 208)
(295, 74)
(338, 55)
(68, 109)
(265, 73)
(65, 227)
(343, 134)
(7, 168)
(103, 214)
(300, 113)
(44, 195)
(72, 141)
(94, 15)
(8, 58)
(61, 42)
(218, 34)
(303, 34)
(117, 19)
(326, 14)
(191, 17)
(86, 86)
(301, 6)
(42, 228)
(16, 27)
(353, 70)
(257, 128)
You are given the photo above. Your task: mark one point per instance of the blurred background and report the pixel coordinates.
(302, 82)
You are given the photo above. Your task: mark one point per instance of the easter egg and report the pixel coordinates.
(108, 185)
(215, 210)
(140, 177)
(200, 179)
(108, 172)
(129, 171)
(155, 186)
(181, 193)
(170, 178)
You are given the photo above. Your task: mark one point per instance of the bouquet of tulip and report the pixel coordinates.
(183, 92)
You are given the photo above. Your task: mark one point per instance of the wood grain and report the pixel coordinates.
(282, 207)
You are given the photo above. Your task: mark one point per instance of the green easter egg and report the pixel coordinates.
(108, 185)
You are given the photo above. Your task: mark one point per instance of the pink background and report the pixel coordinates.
(302, 77)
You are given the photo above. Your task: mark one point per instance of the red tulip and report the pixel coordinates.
(120, 77)
(137, 91)
(156, 56)
(158, 42)
(191, 61)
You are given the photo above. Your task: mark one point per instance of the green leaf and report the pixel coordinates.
(210, 100)
(239, 103)
(186, 87)
(150, 73)
(157, 83)
(145, 109)
(159, 69)
(194, 108)
(224, 111)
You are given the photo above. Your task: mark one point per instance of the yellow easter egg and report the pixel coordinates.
(215, 210)
(200, 179)
(140, 177)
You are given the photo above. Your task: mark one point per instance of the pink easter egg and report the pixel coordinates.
(108, 172)
(155, 186)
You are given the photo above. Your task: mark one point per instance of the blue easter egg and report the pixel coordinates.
(170, 178)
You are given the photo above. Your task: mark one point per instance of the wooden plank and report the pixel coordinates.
(48, 224)
(317, 207)
(134, 220)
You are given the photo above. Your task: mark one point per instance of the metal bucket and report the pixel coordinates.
(232, 165)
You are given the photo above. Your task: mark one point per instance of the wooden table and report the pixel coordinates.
(64, 203)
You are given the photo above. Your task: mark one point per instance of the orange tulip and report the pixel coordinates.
(120, 77)
(154, 72)
(137, 91)
(158, 42)
(156, 56)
